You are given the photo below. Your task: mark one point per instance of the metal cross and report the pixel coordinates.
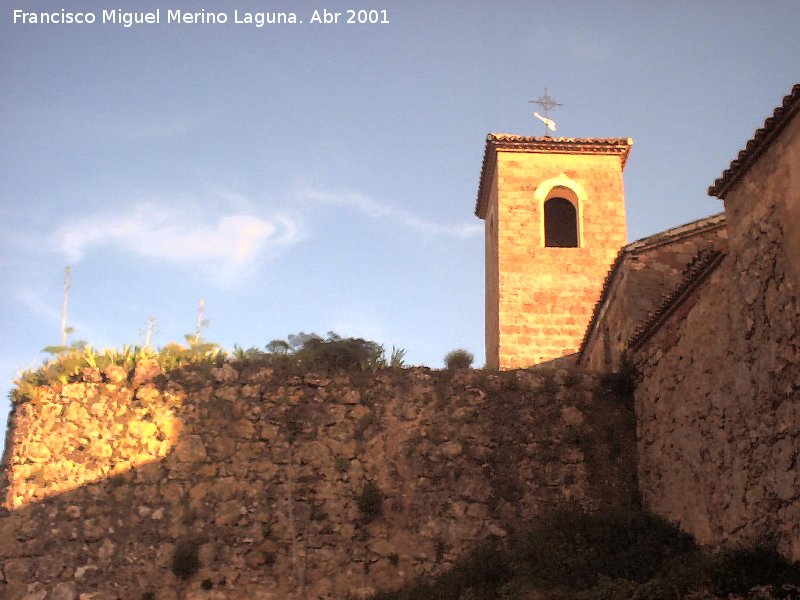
(547, 103)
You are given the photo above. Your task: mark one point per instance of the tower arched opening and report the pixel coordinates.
(560, 223)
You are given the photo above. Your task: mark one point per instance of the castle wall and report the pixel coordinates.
(261, 475)
(719, 401)
(546, 295)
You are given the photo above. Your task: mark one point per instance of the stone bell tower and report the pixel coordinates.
(554, 210)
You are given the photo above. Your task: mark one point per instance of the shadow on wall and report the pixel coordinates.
(226, 480)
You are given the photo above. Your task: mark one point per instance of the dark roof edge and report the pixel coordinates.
(669, 236)
(674, 234)
(761, 140)
(487, 174)
(520, 143)
(706, 263)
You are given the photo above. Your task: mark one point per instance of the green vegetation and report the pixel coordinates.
(458, 359)
(80, 364)
(309, 352)
(301, 354)
(335, 352)
(185, 560)
(478, 576)
(569, 554)
(397, 358)
(369, 501)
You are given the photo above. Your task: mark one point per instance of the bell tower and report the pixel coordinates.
(554, 210)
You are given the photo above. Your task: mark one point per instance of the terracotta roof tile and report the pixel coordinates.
(674, 234)
(760, 142)
(561, 145)
(703, 264)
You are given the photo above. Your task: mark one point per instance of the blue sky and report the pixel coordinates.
(323, 177)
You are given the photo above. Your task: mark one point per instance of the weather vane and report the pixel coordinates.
(547, 103)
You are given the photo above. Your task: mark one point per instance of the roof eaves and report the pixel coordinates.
(520, 143)
(487, 173)
(761, 140)
(703, 265)
(676, 234)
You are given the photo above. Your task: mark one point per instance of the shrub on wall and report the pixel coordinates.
(310, 352)
(304, 352)
(458, 359)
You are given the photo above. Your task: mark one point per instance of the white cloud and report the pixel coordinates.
(376, 209)
(224, 232)
(171, 234)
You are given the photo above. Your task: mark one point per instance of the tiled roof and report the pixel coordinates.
(670, 236)
(676, 234)
(696, 272)
(544, 145)
(760, 142)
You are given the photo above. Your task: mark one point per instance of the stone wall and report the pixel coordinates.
(107, 479)
(719, 399)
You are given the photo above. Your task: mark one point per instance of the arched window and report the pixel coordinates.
(560, 224)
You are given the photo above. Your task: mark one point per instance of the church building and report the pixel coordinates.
(703, 319)
(554, 210)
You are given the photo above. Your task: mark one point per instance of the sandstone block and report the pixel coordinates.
(190, 449)
(225, 374)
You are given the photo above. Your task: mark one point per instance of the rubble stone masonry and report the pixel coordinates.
(261, 477)
(719, 399)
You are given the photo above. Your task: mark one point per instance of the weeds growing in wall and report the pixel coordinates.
(89, 364)
(370, 501)
(185, 559)
(304, 353)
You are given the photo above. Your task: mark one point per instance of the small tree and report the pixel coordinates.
(278, 347)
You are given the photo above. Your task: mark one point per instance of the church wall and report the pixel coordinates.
(546, 295)
(718, 406)
(261, 474)
(770, 193)
(643, 277)
(790, 158)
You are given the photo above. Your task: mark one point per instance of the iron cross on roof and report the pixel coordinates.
(547, 103)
